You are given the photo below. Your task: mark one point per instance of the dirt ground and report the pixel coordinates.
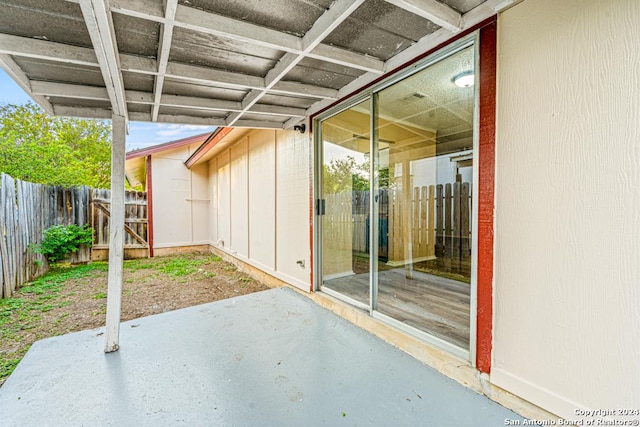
(74, 298)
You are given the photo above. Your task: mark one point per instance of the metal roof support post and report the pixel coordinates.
(116, 235)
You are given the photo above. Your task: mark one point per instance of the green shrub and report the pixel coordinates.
(60, 240)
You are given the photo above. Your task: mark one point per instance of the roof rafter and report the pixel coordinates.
(469, 19)
(339, 11)
(164, 46)
(58, 52)
(12, 69)
(222, 26)
(65, 90)
(99, 22)
(434, 11)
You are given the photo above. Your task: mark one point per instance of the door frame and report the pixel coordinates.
(481, 328)
(370, 93)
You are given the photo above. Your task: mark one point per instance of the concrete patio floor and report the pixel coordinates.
(270, 358)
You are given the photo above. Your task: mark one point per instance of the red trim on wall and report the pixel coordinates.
(486, 169)
(149, 205)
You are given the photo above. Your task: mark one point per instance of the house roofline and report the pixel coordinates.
(170, 145)
(213, 140)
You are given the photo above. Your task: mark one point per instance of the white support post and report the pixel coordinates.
(116, 235)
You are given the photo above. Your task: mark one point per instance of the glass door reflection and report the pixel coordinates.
(344, 203)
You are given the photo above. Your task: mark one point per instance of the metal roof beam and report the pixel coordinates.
(166, 34)
(99, 22)
(436, 12)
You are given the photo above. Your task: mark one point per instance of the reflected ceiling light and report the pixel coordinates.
(464, 79)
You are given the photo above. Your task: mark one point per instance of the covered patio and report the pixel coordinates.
(274, 358)
(268, 65)
(270, 358)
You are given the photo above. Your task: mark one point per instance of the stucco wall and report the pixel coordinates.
(260, 210)
(567, 242)
(180, 199)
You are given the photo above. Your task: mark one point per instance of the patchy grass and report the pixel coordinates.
(72, 298)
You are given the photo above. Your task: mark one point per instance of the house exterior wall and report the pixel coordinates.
(181, 202)
(567, 227)
(260, 212)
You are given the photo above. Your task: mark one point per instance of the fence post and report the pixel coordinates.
(439, 221)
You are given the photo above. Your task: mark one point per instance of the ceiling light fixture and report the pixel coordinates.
(464, 79)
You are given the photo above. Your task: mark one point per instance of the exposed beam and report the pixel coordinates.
(42, 49)
(340, 10)
(178, 119)
(428, 42)
(99, 23)
(346, 58)
(86, 112)
(436, 12)
(69, 90)
(58, 52)
(15, 72)
(207, 76)
(258, 124)
(222, 26)
(65, 90)
(166, 34)
(300, 89)
(276, 110)
(199, 103)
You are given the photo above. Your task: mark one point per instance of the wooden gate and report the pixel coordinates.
(136, 225)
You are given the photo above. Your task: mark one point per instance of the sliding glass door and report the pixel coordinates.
(344, 203)
(396, 190)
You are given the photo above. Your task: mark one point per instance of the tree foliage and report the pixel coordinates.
(345, 174)
(39, 148)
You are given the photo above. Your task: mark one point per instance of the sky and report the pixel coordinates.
(141, 134)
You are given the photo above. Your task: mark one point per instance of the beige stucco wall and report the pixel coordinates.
(260, 212)
(181, 201)
(567, 232)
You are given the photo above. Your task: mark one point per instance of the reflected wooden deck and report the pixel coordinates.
(424, 301)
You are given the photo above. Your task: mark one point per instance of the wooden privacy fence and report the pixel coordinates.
(433, 222)
(429, 222)
(27, 209)
(135, 221)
